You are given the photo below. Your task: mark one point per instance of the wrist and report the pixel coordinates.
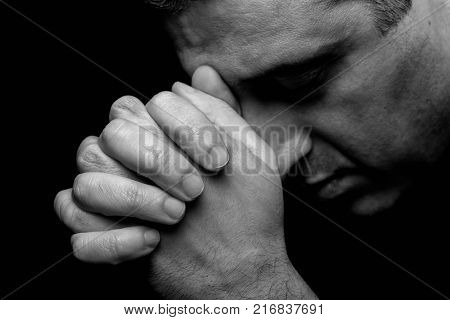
(264, 276)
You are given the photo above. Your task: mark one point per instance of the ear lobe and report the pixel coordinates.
(206, 79)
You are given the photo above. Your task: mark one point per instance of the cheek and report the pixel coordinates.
(363, 128)
(384, 110)
(363, 117)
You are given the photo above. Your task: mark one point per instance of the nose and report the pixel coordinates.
(306, 142)
(296, 147)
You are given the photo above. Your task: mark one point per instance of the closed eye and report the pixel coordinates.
(299, 80)
(306, 79)
(303, 80)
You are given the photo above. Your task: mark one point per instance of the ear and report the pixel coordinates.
(206, 79)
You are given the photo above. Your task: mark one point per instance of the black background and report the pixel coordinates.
(53, 97)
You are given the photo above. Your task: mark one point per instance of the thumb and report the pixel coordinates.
(208, 80)
(229, 121)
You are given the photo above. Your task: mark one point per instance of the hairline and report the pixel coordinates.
(387, 13)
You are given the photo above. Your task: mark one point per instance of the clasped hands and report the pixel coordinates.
(213, 228)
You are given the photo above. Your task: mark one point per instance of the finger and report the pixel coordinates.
(226, 118)
(151, 156)
(79, 220)
(207, 79)
(117, 196)
(131, 109)
(114, 246)
(190, 129)
(91, 158)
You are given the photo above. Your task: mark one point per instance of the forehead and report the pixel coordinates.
(242, 38)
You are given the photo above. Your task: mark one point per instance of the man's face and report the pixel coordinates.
(378, 117)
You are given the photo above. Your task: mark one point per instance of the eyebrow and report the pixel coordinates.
(305, 69)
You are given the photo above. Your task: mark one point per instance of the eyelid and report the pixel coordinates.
(303, 79)
(308, 75)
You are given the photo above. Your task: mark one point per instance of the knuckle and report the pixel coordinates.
(185, 135)
(78, 246)
(60, 203)
(133, 197)
(73, 218)
(113, 131)
(88, 141)
(89, 157)
(125, 104)
(154, 130)
(162, 99)
(153, 156)
(114, 247)
(68, 216)
(81, 185)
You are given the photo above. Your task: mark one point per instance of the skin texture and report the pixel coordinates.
(384, 116)
(217, 252)
(379, 124)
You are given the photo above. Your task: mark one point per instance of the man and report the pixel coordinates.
(369, 77)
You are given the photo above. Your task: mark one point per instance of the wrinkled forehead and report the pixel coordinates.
(242, 37)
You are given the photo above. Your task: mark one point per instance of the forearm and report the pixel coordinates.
(269, 278)
(278, 280)
(259, 275)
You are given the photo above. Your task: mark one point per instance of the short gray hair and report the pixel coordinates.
(387, 13)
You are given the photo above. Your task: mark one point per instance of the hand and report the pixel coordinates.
(231, 242)
(97, 198)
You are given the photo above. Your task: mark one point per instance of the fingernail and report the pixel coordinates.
(219, 157)
(193, 186)
(151, 238)
(174, 208)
